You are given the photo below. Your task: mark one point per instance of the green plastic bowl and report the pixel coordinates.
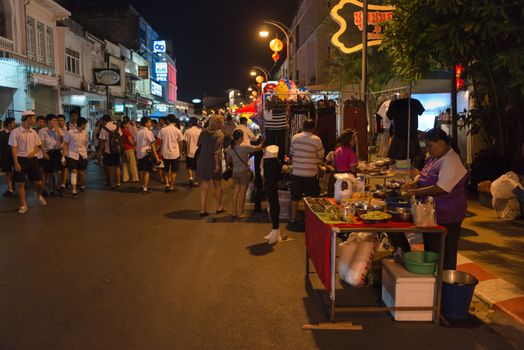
(421, 263)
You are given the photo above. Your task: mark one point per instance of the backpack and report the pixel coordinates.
(115, 141)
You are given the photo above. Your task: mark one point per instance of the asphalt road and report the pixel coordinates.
(121, 270)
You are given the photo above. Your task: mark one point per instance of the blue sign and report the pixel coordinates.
(161, 71)
(159, 46)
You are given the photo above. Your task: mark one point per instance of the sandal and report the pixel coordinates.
(221, 211)
(204, 214)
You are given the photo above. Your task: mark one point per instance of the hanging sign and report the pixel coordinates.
(143, 72)
(156, 89)
(349, 16)
(159, 46)
(107, 77)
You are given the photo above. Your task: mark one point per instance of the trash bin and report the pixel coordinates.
(457, 291)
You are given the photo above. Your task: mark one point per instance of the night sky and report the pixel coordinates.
(215, 43)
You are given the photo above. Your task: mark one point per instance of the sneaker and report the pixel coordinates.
(274, 237)
(23, 210)
(173, 189)
(45, 194)
(42, 200)
(8, 193)
(82, 189)
(167, 189)
(145, 191)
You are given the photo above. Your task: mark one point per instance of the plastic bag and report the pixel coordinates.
(424, 213)
(502, 188)
(356, 257)
(507, 209)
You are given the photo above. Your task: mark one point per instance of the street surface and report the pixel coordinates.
(121, 270)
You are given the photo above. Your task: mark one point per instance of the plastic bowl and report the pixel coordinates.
(420, 263)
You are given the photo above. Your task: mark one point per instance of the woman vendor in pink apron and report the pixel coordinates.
(444, 178)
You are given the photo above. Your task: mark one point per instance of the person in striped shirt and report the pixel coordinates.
(306, 153)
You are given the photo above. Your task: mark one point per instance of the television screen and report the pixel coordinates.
(434, 105)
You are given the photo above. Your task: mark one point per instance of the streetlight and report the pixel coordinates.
(254, 73)
(264, 33)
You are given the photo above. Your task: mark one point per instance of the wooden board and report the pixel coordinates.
(340, 326)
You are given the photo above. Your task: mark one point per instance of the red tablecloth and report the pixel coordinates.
(318, 234)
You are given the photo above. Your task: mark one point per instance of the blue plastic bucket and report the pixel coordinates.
(457, 291)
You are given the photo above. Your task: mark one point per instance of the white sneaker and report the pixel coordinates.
(23, 210)
(41, 200)
(274, 237)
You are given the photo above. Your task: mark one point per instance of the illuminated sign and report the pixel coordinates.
(161, 71)
(159, 46)
(349, 16)
(143, 72)
(156, 89)
(196, 101)
(119, 108)
(162, 108)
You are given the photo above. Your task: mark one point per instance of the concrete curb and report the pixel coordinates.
(496, 292)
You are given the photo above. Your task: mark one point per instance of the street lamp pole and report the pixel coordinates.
(263, 70)
(288, 33)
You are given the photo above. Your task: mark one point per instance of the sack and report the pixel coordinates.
(507, 209)
(115, 141)
(502, 188)
(228, 173)
(356, 257)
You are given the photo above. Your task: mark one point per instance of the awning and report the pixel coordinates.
(69, 91)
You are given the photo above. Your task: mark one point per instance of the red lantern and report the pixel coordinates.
(275, 56)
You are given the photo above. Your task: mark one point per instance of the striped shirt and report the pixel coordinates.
(275, 119)
(306, 152)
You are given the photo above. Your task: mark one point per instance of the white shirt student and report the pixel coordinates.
(171, 138)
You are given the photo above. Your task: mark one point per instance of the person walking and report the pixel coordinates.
(306, 153)
(6, 156)
(129, 168)
(238, 156)
(75, 151)
(25, 143)
(111, 150)
(61, 119)
(191, 138)
(248, 134)
(209, 168)
(145, 146)
(52, 140)
(171, 139)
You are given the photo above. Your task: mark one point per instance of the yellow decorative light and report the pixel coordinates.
(259, 79)
(253, 73)
(254, 93)
(276, 45)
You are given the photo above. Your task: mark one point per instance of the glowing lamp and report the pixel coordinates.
(276, 45)
(259, 79)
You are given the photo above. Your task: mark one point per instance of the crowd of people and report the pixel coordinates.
(54, 154)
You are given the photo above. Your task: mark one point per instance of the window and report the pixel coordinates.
(40, 43)
(30, 33)
(72, 62)
(50, 47)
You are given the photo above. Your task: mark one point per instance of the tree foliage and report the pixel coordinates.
(485, 36)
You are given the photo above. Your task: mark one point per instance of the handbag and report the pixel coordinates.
(247, 166)
(228, 173)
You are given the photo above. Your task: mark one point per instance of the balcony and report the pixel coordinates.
(6, 44)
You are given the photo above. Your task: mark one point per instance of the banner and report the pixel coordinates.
(349, 16)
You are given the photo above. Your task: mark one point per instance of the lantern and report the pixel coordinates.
(254, 93)
(275, 56)
(259, 79)
(459, 69)
(276, 45)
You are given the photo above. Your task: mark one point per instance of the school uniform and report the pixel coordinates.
(171, 136)
(52, 146)
(25, 141)
(76, 157)
(144, 138)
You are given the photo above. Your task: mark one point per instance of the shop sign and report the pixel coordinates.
(156, 89)
(349, 16)
(119, 108)
(159, 46)
(143, 72)
(107, 76)
(162, 108)
(161, 71)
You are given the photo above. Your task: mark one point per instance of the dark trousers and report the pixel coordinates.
(277, 137)
(272, 169)
(432, 243)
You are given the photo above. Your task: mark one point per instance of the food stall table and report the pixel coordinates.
(321, 248)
